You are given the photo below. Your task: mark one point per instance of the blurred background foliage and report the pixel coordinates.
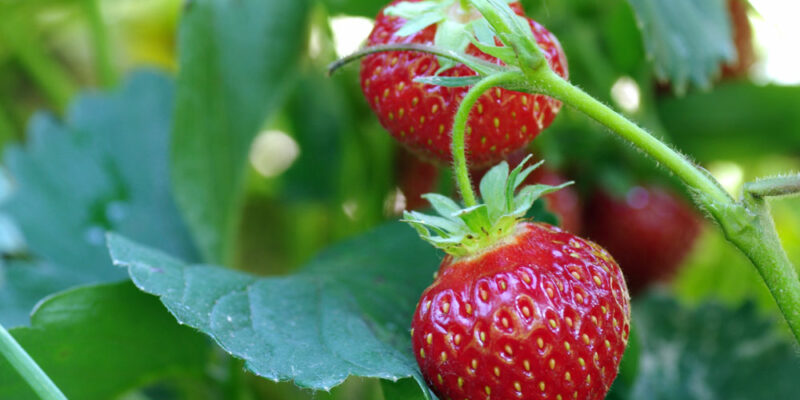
(322, 169)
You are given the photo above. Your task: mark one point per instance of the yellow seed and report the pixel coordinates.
(526, 278)
(415, 101)
(468, 308)
(604, 309)
(567, 376)
(597, 280)
(508, 350)
(422, 353)
(400, 86)
(540, 342)
(541, 386)
(457, 339)
(576, 275)
(550, 292)
(443, 356)
(429, 338)
(581, 362)
(401, 112)
(552, 363)
(435, 108)
(567, 346)
(480, 108)
(439, 378)
(579, 297)
(608, 344)
(504, 322)
(446, 307)
(412, 331)
(483, 336)
(527, 365)
(588, 379)
(391, 116)
(460, 381)
(525, 100)
(524, 128)
(484, 295)
(497, 92)
(488, 390)
(503, 285)
(394, 60)
(558, 397)
(474, 364)
(553, 323)
(386, 93)
(569, 321)
(596, 357)
(421, 120)
(441, 129)
(517, 386)
(594, 319)
(427, 305)
(526, 311)
(496, 371)
(496, 123)
(585, 338)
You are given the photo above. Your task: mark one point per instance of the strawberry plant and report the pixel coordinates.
(225, 225)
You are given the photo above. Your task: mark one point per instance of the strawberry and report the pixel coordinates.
(420, 116)
(649, 231)
(518, 310)
(564, 203)
(414, 178)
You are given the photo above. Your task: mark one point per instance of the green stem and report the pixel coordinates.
(27, 368)
(481, 66)
(750, 227)
(557, 87)
(100, 45)
(459, 132)
(772, 187)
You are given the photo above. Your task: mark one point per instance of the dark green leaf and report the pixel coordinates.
(104, 168)
(711, 352)
(735, 121)
(346, 313)
(365, 8)
(236, 60)
(404, 389)
(97, 342)
(687, 40)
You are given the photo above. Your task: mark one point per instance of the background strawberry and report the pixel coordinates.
(420, 116)
(742, 38)
(545, 315)
(649, 231)
(414, 178)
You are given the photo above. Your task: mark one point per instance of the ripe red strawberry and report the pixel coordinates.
(414, 178)
(543, 315)
(742, 38)
(518, 310)
(420, 116)
(649, 232)
(564, 203)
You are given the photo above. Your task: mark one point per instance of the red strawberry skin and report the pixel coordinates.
(649, 232)
(543, 315)
(421, 116)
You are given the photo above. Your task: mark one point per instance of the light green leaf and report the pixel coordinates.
(687, 40)
(236, 61)
(97, 342)
(103, 168)
(408, 10)
(346, 313)
(419, 23)
(443, 205)
(449, 81)
(493, 190)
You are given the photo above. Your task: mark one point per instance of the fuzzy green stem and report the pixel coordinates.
(555, 86)
(100, 44)
(458, 147)
(773, 187)
(27, 368)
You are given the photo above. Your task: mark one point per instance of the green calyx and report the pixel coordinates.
(466, 231)
(461, 23)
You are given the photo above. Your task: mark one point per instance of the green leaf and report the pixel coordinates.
(236, 61)
(449, 81)
(404, 389)
(710, 352)
(687, 40)
(346, 313)
(97, 342)
(493, 190)
(734, 121)
(103, 168)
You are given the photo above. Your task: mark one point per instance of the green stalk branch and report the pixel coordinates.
(27, 368)
(774, 187)
(555, 86)
(459, 132)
